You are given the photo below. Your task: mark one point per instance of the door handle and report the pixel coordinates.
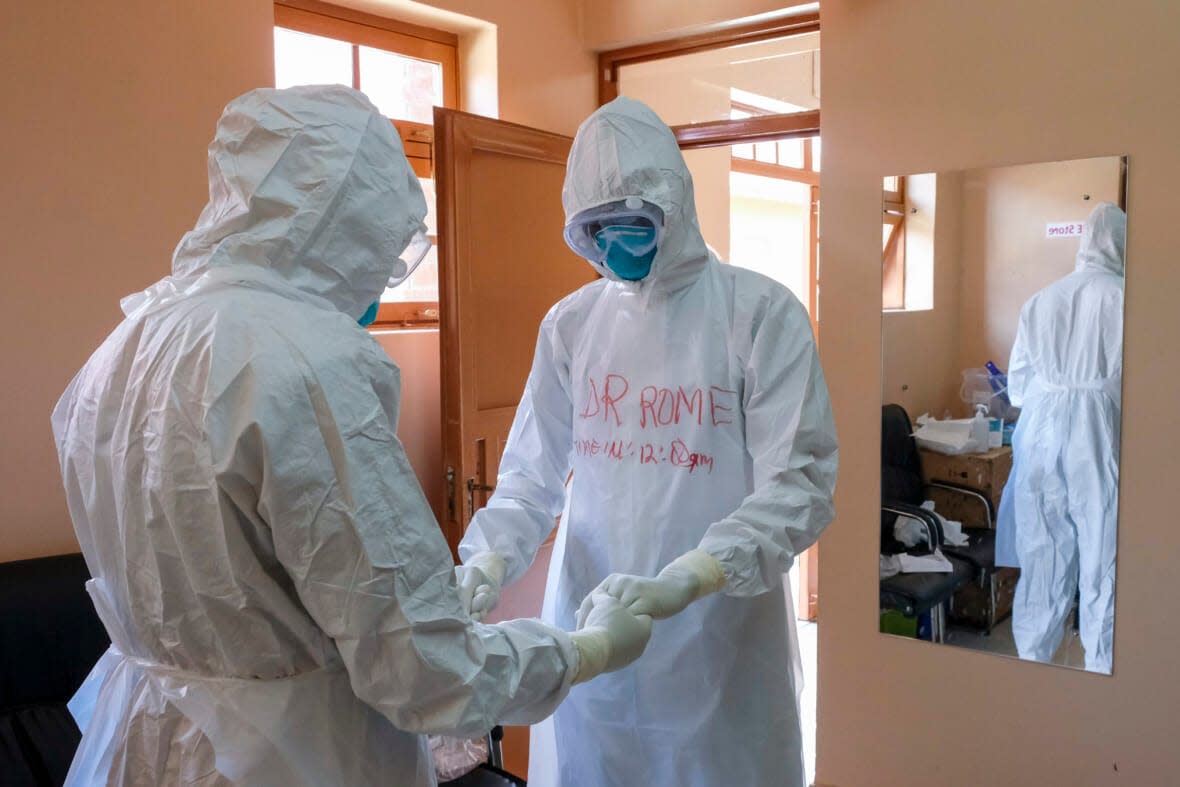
(478, 482)
(472, 488)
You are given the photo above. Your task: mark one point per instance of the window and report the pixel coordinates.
(774, 203)
(406, 70)
(893, 282)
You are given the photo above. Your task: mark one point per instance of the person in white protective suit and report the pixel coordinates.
(1066, 374)
(688, 400)
(282, 604)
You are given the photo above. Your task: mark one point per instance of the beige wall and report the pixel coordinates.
(972, 85)
(108, 109)
(1005, 254)
(420, 420)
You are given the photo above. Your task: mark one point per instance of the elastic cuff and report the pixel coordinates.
(706, 568)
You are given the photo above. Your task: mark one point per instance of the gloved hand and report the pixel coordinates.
(610, 638)
(479, 581)
(689, 577)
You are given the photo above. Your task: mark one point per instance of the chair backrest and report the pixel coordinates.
(50, 635)
(901, 465)
(901, 470)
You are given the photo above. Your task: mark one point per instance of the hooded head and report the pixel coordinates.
(312, 184)
(624, 151)
(1104, 240)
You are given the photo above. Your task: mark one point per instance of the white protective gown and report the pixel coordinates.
(692, 409)
(280, 598)
(1066, 374)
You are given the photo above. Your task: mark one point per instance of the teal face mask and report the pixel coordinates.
(370, 315)
(630, 250)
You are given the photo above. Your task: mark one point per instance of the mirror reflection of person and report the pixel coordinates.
(688, 399)
(1066, 374)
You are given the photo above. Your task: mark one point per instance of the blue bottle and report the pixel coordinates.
(998, 382)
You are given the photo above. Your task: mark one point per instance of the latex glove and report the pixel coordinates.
(610, 639)
(689, 577)
(479, 581)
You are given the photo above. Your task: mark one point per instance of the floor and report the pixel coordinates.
(1000, 642)
(808, 634)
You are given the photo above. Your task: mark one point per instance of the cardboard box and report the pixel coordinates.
(985, 472)
(970, 604)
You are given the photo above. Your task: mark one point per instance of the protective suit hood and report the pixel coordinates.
(1104, 240)
(309, 185)
(625, 150)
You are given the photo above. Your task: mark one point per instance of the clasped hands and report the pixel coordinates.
(614, 621)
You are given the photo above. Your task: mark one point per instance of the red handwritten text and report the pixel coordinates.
(614, 388)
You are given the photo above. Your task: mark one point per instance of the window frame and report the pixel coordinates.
(421, 43)
(893, 212)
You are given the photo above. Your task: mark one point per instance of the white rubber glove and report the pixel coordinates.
(611, 637)
(689, 577)
(479, 581)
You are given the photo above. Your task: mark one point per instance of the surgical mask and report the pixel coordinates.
(629, 250)
(370, 315)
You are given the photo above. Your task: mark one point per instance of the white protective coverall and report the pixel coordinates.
(1066, 374)
(692, 409)
(281, 601)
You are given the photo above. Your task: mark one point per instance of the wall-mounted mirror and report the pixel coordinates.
(1002, 366)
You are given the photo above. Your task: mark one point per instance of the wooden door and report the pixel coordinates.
(502, 264)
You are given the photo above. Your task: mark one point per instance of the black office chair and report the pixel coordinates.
(50, 638)
(902, 494)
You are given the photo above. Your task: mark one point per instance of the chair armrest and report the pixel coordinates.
(969, 492)
(934, 534)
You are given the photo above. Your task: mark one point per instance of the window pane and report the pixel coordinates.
(770, 229)
(886, 231)
(743, 151)
(304, 59)
(401, 87)
(890, 183)
(790, 153)
(815, 153)
(766, 151)
(763, 77)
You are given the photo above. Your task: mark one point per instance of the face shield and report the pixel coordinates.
(410, 257)
(622, 234)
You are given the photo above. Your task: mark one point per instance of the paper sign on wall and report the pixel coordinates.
(1064, 229)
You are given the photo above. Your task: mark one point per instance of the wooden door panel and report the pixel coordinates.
(503, 264)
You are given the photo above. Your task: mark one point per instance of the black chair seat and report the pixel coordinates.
(914, 594)
(485, 776)
(980, 551)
